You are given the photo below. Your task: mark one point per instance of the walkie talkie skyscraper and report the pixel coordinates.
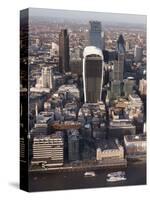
(93, 67)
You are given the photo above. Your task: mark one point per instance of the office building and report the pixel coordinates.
(47, 81)
(135, 146)
(76, 66)
(64, 51)
(103, 40)
(135, 101)
(70, 91)
(48, 150)
(138, 53)
(143, 87)
(129, 84)
(54, 51)
(118, 68)
(109, 149)
(109, 55)
(73, 145)
(47, 106)
(115, 89)
(120, 127)
(96, 36)
(93, 67)
(121, 45)
(99, 130)
(42, 124)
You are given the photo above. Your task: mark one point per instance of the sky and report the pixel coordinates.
(86, 15)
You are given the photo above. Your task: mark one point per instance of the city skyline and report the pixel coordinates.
(86, 102)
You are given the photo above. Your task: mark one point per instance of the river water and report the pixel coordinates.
(42, 181)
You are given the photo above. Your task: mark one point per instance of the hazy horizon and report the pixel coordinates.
(88, 15)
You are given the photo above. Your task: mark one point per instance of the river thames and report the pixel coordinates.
(42, 181)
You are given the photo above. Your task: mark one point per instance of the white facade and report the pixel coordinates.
(143, 87)
(39, 90)
(110, 153)
(47, 77)
(49, 150)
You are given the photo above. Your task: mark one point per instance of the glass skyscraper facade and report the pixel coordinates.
(92, 74)
(95, 34)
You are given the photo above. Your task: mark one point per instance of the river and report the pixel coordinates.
(42, 181)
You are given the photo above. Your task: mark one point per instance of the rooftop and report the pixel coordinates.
(57, 134)
(89, 50)
(107, 144)
(133, 138)
(43, 117)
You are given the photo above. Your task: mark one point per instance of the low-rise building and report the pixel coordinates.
(135, 146)
(70, 90)
(48, 150)
(135, 101)
(43, 122)
(109, 149)
(118, 128)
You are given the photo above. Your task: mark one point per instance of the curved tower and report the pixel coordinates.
(93, 66)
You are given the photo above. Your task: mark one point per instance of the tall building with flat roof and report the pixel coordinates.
(115, 89)
(73, 145)
(138, 53)
(118, 68)
(46, 77)
(143, 87)
(95, 34)
(64, 51)
(121, 44)
(93, 67)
